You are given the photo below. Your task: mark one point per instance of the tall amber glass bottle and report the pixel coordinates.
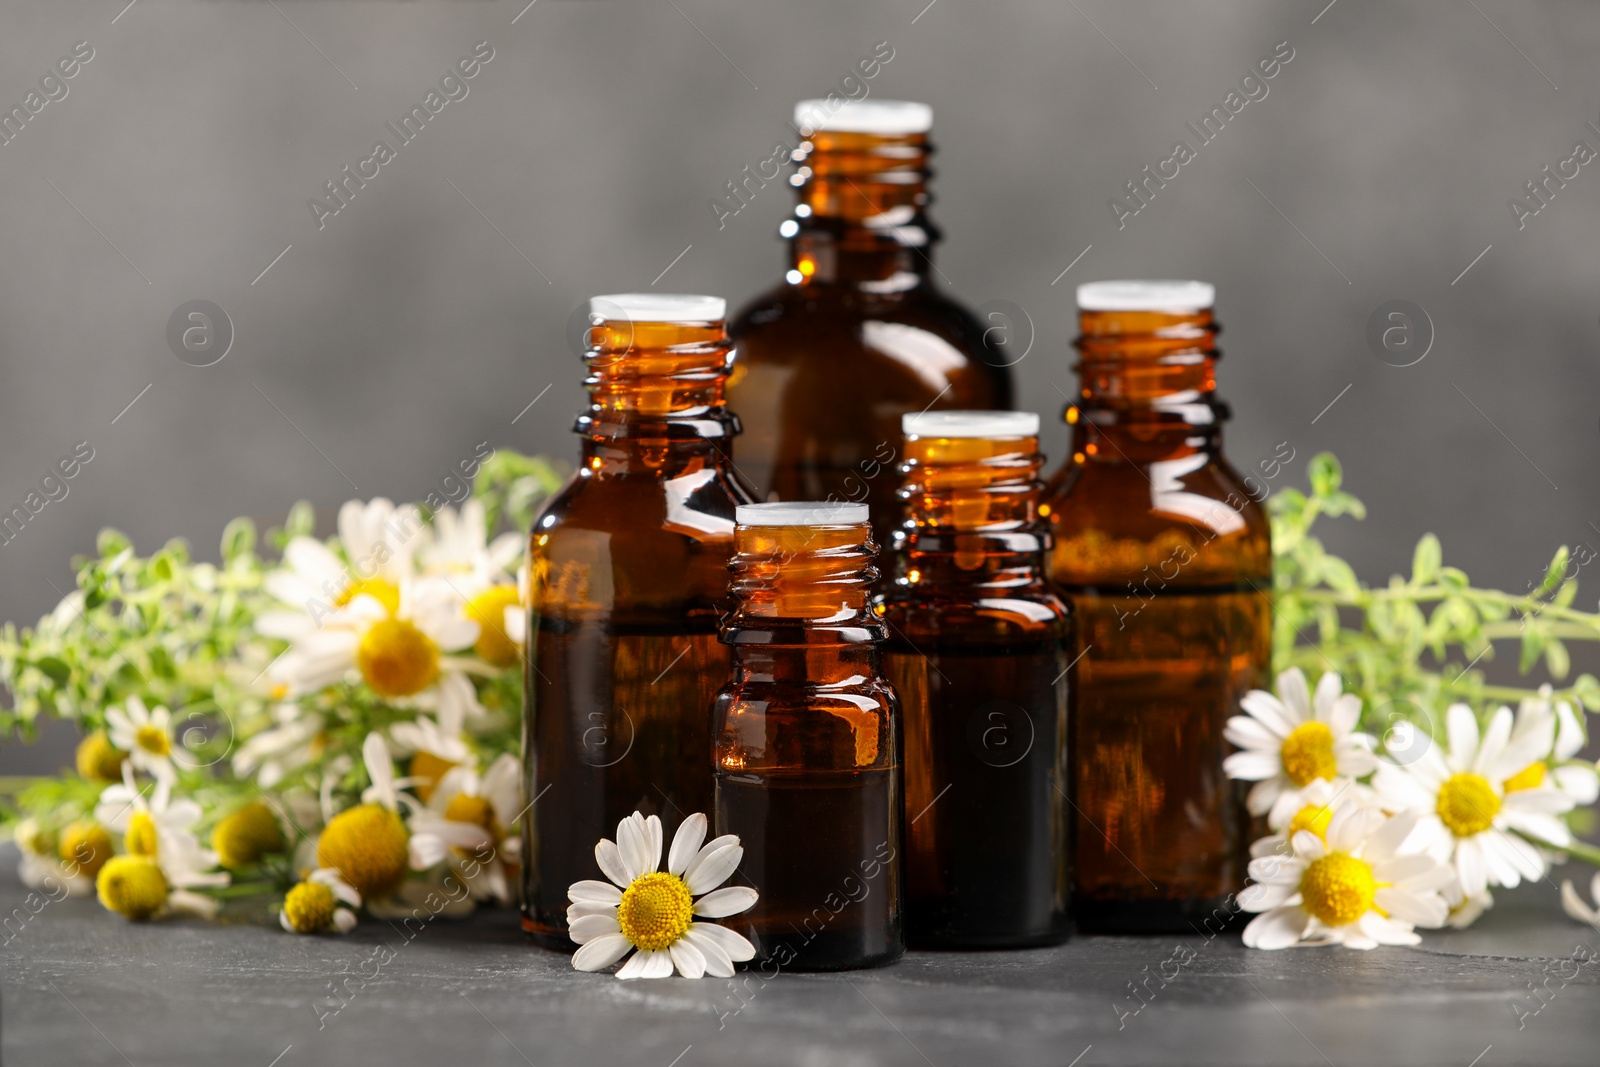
(629, 574)
(977, 652)
(861, 331)
(1168, 563)
(808, 742)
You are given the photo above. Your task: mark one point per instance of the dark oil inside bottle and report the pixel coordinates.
(1166, 844)
(628, 576)
(819, 848)
(1166, 555)
(986, 812)
(621, 742)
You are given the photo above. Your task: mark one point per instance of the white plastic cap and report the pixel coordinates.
(657, 307)
(801, 513)
(970, 423)
(889, 118)
(1146, 296)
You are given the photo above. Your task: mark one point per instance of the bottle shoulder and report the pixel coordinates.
(1018, 618)
(1192, 524)
(920, 335)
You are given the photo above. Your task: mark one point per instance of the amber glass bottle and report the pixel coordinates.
(1167, 561)
(977, 651)
(860, 332)
(808, 742)
(629, 575)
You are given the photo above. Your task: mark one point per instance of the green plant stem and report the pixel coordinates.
(1579, 850)
(243, 889)
(1526, 604)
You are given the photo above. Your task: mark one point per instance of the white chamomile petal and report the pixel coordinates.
(686, 843)
(592, 891)
(708, 872)
(1278, 928)
(730, 900)
(734, 945)
(1462, 729)
(690, 961)
(589, 927)
(601, 953)
(609, 858)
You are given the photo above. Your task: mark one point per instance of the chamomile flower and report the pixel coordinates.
(434, 745)
(322, 903)
(1469, 818)
(1553, 727)
(469, 818)
(141, 887)
(48, 861)
(1316, 812)
(159, 827)
(1360, 887)
(369, 845)
(461, 550)
(653, 910)
(294, 740)
(379, 543)
(145, 735)
(1576, 907)
(1293, 739)
(403, 655)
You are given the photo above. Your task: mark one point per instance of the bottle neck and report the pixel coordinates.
(972, 516)
(803, 586)
(861, 212)
(656, 395)
(1147, 387)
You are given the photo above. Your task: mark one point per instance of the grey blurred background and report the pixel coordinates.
(377, 351)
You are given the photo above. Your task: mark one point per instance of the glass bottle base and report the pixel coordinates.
(546, 936)
(966, 942)
(1205, 917)
(825, 951)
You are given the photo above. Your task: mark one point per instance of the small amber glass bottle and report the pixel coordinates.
(978, 653)
(1168, 563)
(629, 580)
(807, 737)
(861, 331)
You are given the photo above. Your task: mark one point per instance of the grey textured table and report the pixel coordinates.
(82, 987)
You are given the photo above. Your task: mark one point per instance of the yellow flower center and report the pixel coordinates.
(474, 810)
(242, 838)
(1313, 817)
(132, 886)
(655, 911)
(309, 907)
(488, 610)
(384, 592)
(1530, 777)
(98, 759)
(367, 846)
(85, 848)
(1467, 804)
(397, 659)
(1308, 753)
(430, 769)
(140, 838)
(153, 740)
(1338, 889)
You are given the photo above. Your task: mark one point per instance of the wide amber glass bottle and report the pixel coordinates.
(861, 331)
(629, 580)
(1168, 563)
(807, 736)
(978, 653)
